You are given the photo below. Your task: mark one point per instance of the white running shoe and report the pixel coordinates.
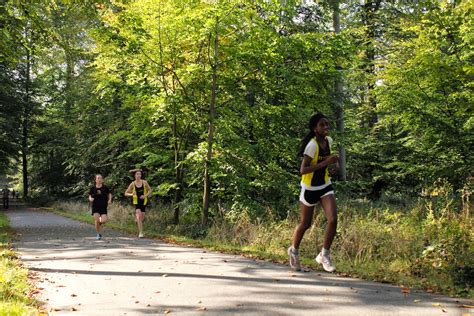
(98, 237)
(141, 235)
(294, 255)
(326, 262)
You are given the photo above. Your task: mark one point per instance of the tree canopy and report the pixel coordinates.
(214, 96)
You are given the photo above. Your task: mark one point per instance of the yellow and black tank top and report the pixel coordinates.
(137, 192)
(318, 179)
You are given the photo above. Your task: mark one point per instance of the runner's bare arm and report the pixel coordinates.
(148, 188)
(129, 191)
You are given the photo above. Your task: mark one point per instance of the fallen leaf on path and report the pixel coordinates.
(157, 292)
(466, 306)
(437, 305)
(224, 260)
(416, 301)
(201, 309)
(73, 295)
(239, 305)
(199, 302)
(444, 310)
(73, 309)
(60, 285)
(136, 302)
(405, 290)
(167, 311)
(276, 280)
(148, 305)
(164, 275)
(140, 271)
(293, 275)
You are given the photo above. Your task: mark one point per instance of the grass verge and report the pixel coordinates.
(15, 290)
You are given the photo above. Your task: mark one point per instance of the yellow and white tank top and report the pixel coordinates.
(318, 179)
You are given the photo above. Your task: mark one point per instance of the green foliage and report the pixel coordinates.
(426, 96)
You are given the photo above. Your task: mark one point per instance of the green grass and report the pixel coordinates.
(411, 245)
(15, 290)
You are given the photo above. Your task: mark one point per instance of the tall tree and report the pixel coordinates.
(338, 89)
(212, 114)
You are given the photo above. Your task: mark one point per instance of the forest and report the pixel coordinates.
(211, 98)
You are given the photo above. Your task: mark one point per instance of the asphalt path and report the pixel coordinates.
(122, 275)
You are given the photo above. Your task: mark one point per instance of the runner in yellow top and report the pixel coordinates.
(316, 187)
(139, 190)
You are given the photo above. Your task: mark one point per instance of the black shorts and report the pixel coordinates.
(140, 207)
(311, 198)
(99, 211)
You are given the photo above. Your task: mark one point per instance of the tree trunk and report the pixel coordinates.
(210, 135)
(369, 19)
(68, 82)
(339, 108)
(26, 114)
(178, 170)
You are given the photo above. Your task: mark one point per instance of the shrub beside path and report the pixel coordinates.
(122, 275)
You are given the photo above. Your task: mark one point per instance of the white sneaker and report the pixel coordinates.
(294, 254)
(141, 235)
(326, 262)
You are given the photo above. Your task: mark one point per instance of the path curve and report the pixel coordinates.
(122, 275)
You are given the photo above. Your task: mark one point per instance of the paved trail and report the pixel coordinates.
(121, 275)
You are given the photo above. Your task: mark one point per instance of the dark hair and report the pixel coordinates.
(134, 172)
(313, 121)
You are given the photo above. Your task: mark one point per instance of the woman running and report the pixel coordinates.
(100, 197)
(316, 187)
(139, 190)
